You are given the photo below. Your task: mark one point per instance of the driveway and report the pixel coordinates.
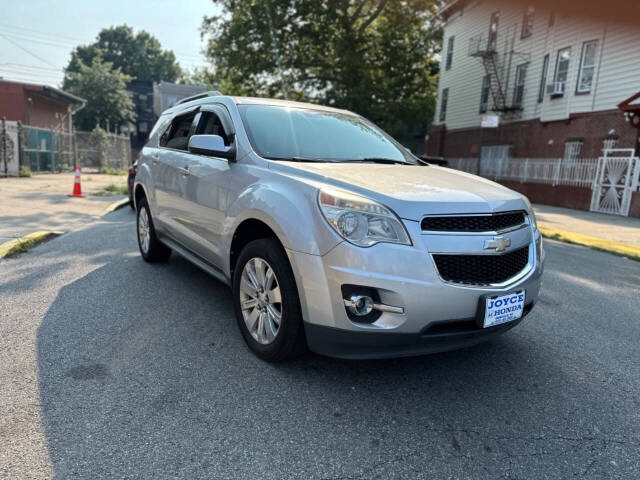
(114, 368)
(41, 202)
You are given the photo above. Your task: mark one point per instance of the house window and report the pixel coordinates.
(527, 21)
(518, 92)
(443, 104)
(543, 80)
(484, 94)
(587, 67)
(562, 70)
(493, 31)
(143, 127)
(572, 149)
(449, 53)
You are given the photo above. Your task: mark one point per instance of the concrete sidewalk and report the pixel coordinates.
(624, 230)
(41, 202)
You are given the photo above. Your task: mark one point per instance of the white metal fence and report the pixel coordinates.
(555, 171)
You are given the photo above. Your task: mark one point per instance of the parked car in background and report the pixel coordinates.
(130, 182)
(330, 233)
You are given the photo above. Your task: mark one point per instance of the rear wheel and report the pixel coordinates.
(151, 249)
(266, 301)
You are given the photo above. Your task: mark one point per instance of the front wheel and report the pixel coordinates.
(266, 301)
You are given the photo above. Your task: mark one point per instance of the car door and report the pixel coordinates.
(173, 165)
(211, 187)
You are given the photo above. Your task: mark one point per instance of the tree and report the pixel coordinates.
(140, 55)
(375, 57)
(109, 105)
(198, 76)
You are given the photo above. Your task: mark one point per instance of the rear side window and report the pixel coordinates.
(176, 136)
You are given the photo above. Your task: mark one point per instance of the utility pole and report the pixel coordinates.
(277, 50)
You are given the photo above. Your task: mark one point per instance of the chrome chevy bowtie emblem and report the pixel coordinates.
(497, 243)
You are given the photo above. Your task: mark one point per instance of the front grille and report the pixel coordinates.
(473, 223)
(482, 269)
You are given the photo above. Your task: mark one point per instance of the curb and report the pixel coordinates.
(13, 246)
(116, 205)
(596, 243)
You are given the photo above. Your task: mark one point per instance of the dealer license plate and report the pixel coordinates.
(503, 309)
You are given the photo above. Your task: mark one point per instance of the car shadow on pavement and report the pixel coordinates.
(143, 373)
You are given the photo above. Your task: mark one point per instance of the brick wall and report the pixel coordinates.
(578, 198)
(11, 101)
(534, 139)
(46, 113)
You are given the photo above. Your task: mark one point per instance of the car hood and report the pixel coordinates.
(412, 191)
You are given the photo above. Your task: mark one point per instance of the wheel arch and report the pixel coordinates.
(248, 230)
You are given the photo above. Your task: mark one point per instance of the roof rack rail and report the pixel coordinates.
(210, 93)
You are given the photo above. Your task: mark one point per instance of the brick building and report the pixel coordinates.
(556, 83)
(37, 105)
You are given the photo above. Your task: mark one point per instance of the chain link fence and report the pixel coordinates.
(45, 150)
(100, 150)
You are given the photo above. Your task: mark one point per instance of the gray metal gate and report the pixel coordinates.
(616, 179)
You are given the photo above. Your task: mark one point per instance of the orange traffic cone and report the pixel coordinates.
(77, 189)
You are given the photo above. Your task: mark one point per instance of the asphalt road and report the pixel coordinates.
(113, 368)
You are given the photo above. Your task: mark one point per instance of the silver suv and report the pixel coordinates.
(331, 234)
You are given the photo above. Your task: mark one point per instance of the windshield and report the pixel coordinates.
(285, 133)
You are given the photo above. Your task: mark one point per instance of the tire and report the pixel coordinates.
(151, 250)
(289, 340)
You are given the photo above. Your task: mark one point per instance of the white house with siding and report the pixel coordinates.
(555, 82)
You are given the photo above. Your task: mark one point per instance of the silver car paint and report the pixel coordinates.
(203, 210)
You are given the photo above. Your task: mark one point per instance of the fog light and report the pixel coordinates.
(359, 305)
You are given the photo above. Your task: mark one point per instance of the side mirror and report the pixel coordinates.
(211, 145)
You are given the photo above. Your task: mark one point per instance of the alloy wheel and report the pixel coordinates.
(260, 300)
(144, 233)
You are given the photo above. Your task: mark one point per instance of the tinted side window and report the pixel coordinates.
(177, 135)
(210, 125)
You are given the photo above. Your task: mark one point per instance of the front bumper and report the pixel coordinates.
(437, 315)
(335, 342)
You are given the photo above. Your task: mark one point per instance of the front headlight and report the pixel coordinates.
(361, 221)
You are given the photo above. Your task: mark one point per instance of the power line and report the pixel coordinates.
(27, 79)
(26, 38)
(39, 32)
(22, 65)
(25, 50)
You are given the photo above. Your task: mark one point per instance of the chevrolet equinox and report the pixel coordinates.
(331, 234)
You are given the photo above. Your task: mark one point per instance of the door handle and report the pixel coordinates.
(184, 171)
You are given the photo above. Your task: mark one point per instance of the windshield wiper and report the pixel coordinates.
(390, 161)
(300, 159)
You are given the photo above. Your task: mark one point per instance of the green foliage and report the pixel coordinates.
(375, 57)
(140, 56)
(112, 171)
(100, 141)
(23, 246)
(108, 102)
(198, 76)
(112, 190)
(25, 171)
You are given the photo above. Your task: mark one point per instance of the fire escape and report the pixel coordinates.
(486, 50)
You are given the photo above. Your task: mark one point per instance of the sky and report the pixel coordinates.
(37, 36)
